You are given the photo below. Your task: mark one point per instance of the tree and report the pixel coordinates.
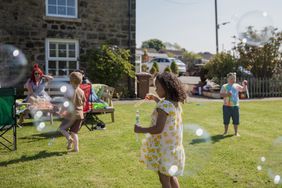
(153, 43)
(171, 46)
(174, 68)
(220, 65)
(190, 58)
(108, 64)
(260, 60)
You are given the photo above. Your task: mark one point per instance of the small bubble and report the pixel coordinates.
(172, 170)
(276, 179)
(66, 104)
(63, 89)
(264, 14)
(51, 141)
(38, 115)
(143, 141)
(199, 132)
(16, 53)
(147, 135)
(41, 126)
(244, 40)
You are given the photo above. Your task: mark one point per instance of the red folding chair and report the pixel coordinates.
(89, 117)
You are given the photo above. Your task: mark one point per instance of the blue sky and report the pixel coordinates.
(191, 23)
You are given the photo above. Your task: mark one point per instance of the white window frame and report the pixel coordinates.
(57, 59)
(60, 15)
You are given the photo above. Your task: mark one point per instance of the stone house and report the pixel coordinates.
(55, 33)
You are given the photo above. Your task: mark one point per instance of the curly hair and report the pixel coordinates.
(172, 86)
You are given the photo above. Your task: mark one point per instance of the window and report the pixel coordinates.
(61, 8)
(61, 56)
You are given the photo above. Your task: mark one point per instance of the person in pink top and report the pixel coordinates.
(230, 93)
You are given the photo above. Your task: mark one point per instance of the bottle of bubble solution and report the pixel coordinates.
(137, 123)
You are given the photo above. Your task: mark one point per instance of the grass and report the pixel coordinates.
(109, 158)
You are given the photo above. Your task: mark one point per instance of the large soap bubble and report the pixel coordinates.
(13, 65)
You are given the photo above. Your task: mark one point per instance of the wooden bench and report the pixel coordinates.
(105, 93)
(54, 90)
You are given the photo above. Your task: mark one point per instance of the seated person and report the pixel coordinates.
(84, 78)
(36, 86)
(37, 97)
(197, 90)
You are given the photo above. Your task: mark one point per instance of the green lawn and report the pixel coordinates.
(109, 158)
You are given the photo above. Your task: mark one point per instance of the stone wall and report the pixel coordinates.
(25, 25)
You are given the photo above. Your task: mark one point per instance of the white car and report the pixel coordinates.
(164, 62)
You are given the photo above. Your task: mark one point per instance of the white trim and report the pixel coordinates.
(60, 15)
(57, 59)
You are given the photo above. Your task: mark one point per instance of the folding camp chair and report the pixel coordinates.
(89, 117)
(8, 120)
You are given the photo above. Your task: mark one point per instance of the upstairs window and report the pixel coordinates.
(61, 57)
(61, 8)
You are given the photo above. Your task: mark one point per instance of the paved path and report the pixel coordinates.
(200, 99)
(190, 80)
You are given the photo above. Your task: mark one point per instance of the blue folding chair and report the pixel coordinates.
(8, 120)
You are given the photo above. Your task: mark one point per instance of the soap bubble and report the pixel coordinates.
(51, 141)
(40, 126)
(38, 115)
(198, 148)
(259, 167)
(276, 179)
(13, 65)
(63, 88)
(199, 132)
(173, 170)
(274, 161)
(255, 28)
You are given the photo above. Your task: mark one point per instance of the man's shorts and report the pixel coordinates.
(231, 112)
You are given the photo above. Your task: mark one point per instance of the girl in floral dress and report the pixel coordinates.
(162, 150)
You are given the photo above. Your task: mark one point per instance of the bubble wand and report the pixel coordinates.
(137, 123)
(247, 92)
(139, 103)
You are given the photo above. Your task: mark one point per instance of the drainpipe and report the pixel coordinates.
(130, 80)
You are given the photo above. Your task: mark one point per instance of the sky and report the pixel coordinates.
(191, 23)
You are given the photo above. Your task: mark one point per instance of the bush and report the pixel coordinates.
(167, 69)
(144, 68)
(155, 64)
(153, 70)
(174, 68)
(108, 64)
(220, 65)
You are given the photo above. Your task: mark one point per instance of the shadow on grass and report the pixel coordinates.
(40, 155)
(40, 136)
(27, 124)
(212, 139)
